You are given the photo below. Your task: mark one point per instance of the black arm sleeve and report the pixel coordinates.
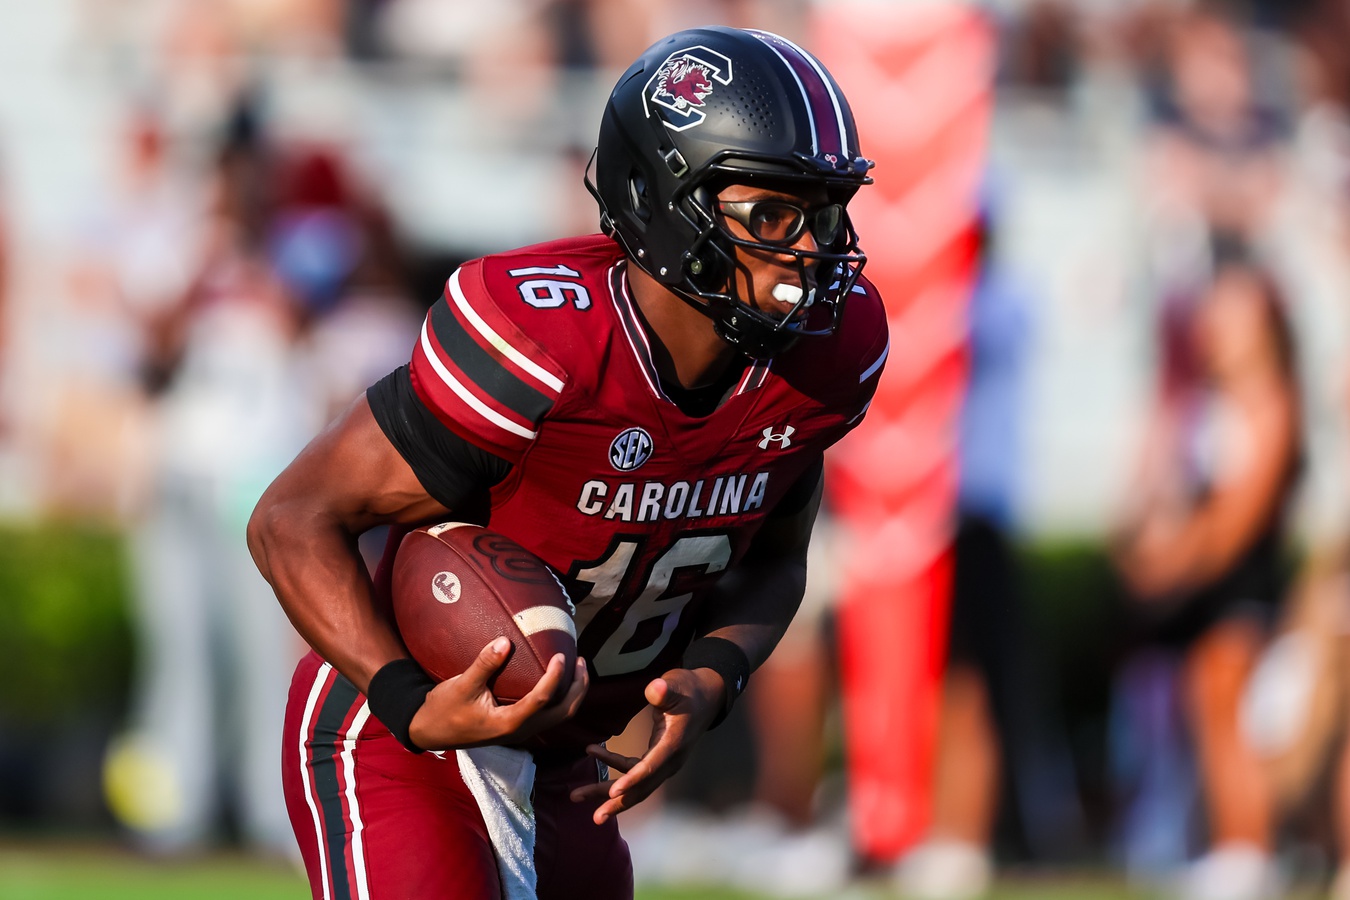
(456, 473)
(802, 490)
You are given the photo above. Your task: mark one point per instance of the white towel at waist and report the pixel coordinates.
(501, 779)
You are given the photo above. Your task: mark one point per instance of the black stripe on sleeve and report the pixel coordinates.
(457, 473)
(485, 370)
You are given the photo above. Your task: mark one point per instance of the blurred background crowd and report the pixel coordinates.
(220, 221)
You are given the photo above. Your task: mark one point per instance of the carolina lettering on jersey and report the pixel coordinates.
(541, 357)
(652, 501)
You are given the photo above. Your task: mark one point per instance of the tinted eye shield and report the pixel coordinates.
(828, 274)
(781, 223)
(832, 269)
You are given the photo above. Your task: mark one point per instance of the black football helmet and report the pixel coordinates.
(714, 106)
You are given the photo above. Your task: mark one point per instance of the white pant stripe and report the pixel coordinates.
(325, 672)
(349, 768)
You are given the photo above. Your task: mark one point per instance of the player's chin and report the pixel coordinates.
(774, 307)
(778, 310)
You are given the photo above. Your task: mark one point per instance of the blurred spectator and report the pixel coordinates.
(1201, 554)
(1217, 152)
(138, 247)
(1293, 710)
(229, 407)
(990, 725)
(1041, 49)
(1298, 709)
(1323, 34)
(569, 33)
(250, 362)
(1321, 29)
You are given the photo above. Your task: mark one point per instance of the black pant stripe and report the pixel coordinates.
(324, 766)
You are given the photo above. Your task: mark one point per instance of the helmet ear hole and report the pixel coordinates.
(706, 268)
(699, 272)
(638, 196)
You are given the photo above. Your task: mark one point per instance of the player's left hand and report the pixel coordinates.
(683, 704)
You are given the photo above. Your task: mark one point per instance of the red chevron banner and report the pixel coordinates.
(919, 78)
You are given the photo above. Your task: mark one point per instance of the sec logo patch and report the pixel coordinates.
(630, 449)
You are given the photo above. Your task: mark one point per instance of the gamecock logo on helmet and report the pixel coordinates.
(685, 81)
(682, 83)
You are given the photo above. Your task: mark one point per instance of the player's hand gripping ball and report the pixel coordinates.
(457, 587)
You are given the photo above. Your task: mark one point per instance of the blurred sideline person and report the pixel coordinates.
(239, 369)
(955, 858)
(1294, 710)
(645, 409)
(139, 245)
(230, 406)
(1201, 551)
(1216, 155)
(992, 742)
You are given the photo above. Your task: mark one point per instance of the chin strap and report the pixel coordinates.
(768, 343)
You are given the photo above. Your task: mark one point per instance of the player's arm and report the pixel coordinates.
(750, 611)
(303, 536)
(754, 604)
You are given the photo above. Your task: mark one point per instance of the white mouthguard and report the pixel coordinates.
(787, 293)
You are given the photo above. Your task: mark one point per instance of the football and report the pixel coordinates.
(457, 586)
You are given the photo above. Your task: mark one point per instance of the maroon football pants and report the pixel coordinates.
(378, 822)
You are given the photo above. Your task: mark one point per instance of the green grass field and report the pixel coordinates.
(97, 871)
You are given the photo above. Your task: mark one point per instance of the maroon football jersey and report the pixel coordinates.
(538, 355)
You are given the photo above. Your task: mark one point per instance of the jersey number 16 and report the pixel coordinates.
(708, 553)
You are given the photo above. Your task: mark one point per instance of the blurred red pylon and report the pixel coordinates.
(919, 78)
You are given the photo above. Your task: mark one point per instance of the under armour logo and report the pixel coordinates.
(782, 438)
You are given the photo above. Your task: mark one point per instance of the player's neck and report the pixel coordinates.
(689, 352)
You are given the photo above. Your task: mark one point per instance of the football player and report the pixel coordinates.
(646, 410)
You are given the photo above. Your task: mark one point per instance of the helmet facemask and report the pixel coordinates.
(712, 266)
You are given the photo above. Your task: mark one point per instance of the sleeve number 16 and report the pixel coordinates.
(551, 293)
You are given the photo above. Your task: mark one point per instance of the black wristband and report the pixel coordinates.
(395, 695)
(727, 659)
